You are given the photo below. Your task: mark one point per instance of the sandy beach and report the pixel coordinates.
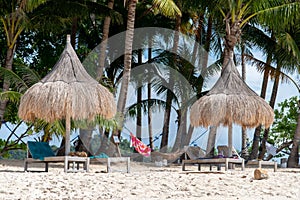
(145, 181)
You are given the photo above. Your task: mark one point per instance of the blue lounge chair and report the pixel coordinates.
(41, 152)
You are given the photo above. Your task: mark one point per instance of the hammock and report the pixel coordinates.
(156, 155)
(139, 146)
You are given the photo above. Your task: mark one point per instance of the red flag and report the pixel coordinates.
(140, 146)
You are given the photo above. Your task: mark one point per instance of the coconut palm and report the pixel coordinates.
(282, 49)
(13, 17)
(128, 49)
(238, 13)
(106, 25)
(18, 15)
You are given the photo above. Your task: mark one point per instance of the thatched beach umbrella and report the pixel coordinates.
(68, 91)
(231, 101)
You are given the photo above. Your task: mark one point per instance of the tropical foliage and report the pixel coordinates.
(284, 126)
(32, 36)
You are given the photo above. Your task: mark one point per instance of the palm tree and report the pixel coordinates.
(106, 25)
(244, 132)
(128, 48)
(127, 57)
(239, 13)
(282, 49)
(14, 21)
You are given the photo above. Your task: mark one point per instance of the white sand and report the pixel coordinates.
(145, 182)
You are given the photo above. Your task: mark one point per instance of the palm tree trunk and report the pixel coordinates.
(198, 34)
(181, 132)
(233, 32)
(256, 137)
(8, 65)
(188, 136)
(127, 59)
(204, 67)
(61, 150)
(280, 148)
(185, 138)
(74, 31)
(207, 43)
(211, 141)
(85, 141)
(244, 132)
(103, 45)
(243, 63)
(139, 101)
(293, 159)
(149, 89)
(205, 56)
(272, 104)
(165, 136)
(149, 86)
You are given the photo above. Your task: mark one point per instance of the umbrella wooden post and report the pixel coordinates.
(67, 136)
(230, 140)
(230, 166)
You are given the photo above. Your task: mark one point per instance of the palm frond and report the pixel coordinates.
(155, 104)
(108, 124)
(30, 5)
(12, 96)
(287, 42)
(262, 66)
(275, 13)
(56, 128)
(167, 7)
(28, 75)
(14, 79)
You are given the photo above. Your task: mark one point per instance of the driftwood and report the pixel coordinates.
(260, 174)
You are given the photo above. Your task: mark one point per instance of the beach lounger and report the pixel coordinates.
(214, 161)
(261, 163)
(41, 152)
(103, 158)
(193, 152)
(257, 163)
(218, 161)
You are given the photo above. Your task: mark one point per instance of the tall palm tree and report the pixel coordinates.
(244, 132)
(173, 11)
(106, 25)
(127, 58)
(282, 49)
(238, 13)
(14, 21)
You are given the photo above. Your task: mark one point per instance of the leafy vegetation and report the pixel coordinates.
(285, 123)
(32, 36)
(15, 151)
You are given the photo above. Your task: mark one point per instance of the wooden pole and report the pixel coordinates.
(211, 141)
(67, 136)
(230, 140)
